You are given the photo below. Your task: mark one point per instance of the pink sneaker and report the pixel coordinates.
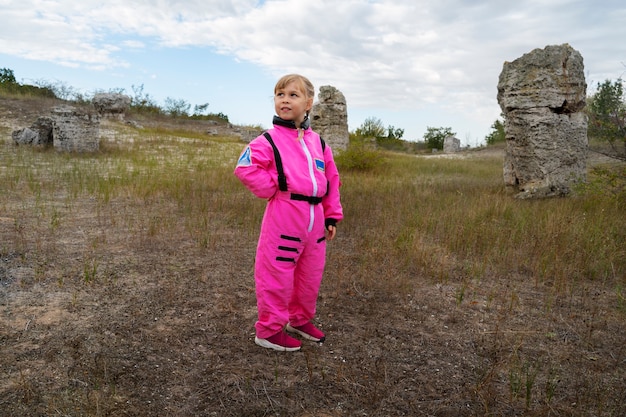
(280, 341)
(308, 331)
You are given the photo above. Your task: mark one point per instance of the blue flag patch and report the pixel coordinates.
(319, 164)
(245, 160)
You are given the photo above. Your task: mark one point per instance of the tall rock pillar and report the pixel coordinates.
(329, 117)
(542, 95)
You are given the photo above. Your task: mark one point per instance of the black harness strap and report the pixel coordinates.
(307, 198)
(282, 179)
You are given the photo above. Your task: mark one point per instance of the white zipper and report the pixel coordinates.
(312, 175)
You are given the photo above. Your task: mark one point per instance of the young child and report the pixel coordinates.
(290, 166)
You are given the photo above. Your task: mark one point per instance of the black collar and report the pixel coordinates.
(290, 123)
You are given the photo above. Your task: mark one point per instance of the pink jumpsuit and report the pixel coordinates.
(291, 250)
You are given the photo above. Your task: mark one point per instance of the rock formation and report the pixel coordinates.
(25, 136)
(329, 117)
(75, 130)
(67, 129)
(451, 144)
(38, 134)
(542, 95)
(248, 134)
(112, 105)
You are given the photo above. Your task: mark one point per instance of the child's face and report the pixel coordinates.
(291, 103)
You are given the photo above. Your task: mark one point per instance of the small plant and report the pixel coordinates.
(90, 270)
(621, 298)
(522, 378)
(530, 375)
(55, 219)
(460, 294)
(552, 383)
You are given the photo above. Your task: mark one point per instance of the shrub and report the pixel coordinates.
(359, 157)
(7, 76)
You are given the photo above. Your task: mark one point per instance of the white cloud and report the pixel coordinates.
(395, 54)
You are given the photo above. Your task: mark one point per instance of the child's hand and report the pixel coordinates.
(331, 231)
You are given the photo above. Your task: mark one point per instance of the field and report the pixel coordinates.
(126, 287)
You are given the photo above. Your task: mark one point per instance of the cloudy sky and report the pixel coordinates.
(410, 63)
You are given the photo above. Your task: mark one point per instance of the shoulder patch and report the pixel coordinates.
(245, 160)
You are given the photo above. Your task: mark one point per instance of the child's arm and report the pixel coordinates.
(333, 212)
(254, 168)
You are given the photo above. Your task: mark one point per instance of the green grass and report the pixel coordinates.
(450, 219)
(453, 219)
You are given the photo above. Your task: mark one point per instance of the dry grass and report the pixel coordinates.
(126, 289)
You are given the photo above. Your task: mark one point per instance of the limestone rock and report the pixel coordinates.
(25, 136)
(75, 130)
(38, 134)
(249, 134)
(44, 128)
(542, 95)
(111, 104)
(329, 117)
(451, 144)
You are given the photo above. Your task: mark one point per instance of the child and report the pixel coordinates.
(290, 166)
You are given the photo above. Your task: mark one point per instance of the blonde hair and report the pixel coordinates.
(303, 83)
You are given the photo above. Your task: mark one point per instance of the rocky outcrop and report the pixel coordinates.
(114, 105)
(38, 134)
(248, 134)
(25, 136)
(75, 130)
(329, 117)
(67, 129)
(542, 95)
(451, 144)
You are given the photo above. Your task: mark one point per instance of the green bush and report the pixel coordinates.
(8, 85)
(605, 182)
(27, 90)
(359, 157)
(7, 76)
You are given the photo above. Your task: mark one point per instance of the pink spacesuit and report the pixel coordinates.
(291, 250)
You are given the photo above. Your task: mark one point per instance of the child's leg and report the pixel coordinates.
(274, 271)
(307, 280)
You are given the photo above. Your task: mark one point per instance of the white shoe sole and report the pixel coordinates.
(269, 345)
(305, 335)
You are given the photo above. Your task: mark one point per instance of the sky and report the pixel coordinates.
(412, 64)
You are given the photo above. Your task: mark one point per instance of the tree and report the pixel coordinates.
(7, 76)
(434, 137)
(607, 112)
(394, 133)
(371, 128)
(176, 107)
(59, 89)
(143, 101)
(200, 109)
(497, 133)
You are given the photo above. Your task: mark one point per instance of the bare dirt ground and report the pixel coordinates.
(166, 329)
